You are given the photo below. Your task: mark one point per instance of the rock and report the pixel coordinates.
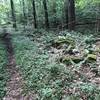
(64, 40)
(75, 59)
(86, 51)
(92, 57)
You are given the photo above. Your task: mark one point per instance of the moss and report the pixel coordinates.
(91, 57)
(67, 59)
(97, 50)
(64, 40)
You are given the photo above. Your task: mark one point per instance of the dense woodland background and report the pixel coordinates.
(49, 49)
(51, 13)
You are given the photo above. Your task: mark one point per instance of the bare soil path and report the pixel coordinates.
(15, 83)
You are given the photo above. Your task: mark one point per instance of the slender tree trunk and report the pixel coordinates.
(20, 2)
(34, 14)
(98, 19)
(71, 14)
(66, 13)
(13, 14)
(24, 14)
(46, 14)
(98, 25)
(54, 12)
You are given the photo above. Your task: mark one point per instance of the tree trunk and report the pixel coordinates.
(34, 14)
(66, 13)
(98, 17)
(46, 14)
(54, 12)
(71, 14)
(98, 25)
(24, 14)
(13, 14)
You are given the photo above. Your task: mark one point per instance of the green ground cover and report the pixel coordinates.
(46, 75)
(3, 71)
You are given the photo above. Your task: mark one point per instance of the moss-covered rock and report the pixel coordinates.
(97, 50)
(67, 59)
(64, 40)
(91, 57)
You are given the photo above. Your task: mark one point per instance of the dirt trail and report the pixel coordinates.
(15, 83)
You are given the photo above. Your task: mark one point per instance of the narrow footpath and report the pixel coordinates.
(15, 84)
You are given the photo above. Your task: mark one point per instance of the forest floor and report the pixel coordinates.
(53, 66)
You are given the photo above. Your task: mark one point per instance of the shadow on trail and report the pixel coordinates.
(9, 49)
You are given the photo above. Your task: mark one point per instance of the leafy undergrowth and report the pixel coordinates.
(3, 72)
(49, 68)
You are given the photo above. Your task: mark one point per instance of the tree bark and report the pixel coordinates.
(34, 14)
(24, 14)
(66, 13)
(71, 14)
(54, 13)
(13, 14)
(98, 17)
(46, 14)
